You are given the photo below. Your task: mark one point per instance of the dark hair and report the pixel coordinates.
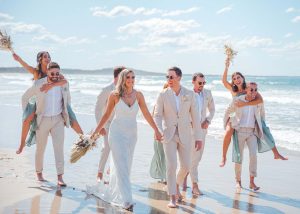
(195, 75)
(39, 58)
(117, 70)
(233, 86)
(52, 65)
(177, 70)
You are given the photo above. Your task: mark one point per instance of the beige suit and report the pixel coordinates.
(208, 104)
(177, 130)
(49, 125)
(246, 135)
(99, 111)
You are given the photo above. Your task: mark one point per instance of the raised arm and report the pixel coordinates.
(29, 68)
(224, 78)
(109, 109)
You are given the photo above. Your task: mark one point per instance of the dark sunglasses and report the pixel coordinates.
(201, 83)
(54, 74)
(132, 77)
(170, 77)
(252, 90)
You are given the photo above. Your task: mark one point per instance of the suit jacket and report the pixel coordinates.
(235, 114)
(208, 104)
(188, 114)
(102, 102)
(40, 100)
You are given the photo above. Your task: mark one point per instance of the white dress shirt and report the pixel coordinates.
(248, 117)
(177, 99)
(200, 100)
(53, 102)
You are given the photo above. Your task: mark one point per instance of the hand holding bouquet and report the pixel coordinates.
(5, 42)
(230, 53)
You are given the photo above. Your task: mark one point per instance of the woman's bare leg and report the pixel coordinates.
(25, 130)
(277, 155)
(226, 143)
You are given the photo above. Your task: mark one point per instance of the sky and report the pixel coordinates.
(155, 35)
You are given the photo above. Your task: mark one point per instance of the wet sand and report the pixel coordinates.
(21, 193)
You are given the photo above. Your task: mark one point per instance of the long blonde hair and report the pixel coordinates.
(121, 87)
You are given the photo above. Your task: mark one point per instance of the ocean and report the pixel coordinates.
(281, 97)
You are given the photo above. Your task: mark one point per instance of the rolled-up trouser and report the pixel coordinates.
(246, 135)
(55, 127)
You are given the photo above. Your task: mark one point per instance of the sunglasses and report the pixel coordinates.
(252, 90)
(170, 77)
(130, 77)
(54, 74)
(202, 83)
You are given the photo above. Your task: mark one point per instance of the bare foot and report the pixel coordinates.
(196, 191)
(40, 177)
(238, 187)
(19, 151)
(253, 187)
(172, 204)
(60, 181)
(128, 206)
(223, 162)
(280, 157)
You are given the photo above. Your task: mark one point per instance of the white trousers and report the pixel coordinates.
(55, 127)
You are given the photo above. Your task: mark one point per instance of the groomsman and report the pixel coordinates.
(99, 110)
(52, 116)
(177, 107)
(205, 103)
(247, 122)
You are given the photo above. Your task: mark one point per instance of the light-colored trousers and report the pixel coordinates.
(246, 135)
(196, 158)
(55, 127)
(184, 153)
(104, 153)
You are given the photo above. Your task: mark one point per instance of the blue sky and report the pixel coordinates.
(154, 35)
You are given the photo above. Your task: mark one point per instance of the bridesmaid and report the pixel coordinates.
(237, 87)
(29, 106)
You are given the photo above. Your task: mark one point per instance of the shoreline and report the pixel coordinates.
(278, 179)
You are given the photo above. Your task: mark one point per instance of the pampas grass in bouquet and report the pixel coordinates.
(5, 42)
(230, 53)
(82, 145)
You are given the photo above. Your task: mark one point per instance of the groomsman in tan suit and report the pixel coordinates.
(247, 122)
(99, 110)
(52, 116)
(178, 108)
(205, 102)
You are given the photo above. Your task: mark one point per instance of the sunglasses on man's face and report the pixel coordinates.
(170, 77)
(130, 77)
(202, 83)
(54, 74)
(253, 90)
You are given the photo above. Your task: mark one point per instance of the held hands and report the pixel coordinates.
(205, 124)
(102, 132)
(198, 145)
(158, 136)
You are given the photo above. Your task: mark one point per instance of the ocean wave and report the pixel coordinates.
(281, 100)
(89, 92)
(217, 82)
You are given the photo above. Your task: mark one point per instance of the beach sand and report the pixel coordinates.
(21, 193)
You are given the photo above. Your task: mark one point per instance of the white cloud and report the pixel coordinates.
(19, 27)
(180, 12)
(292, 48)
(224, 10)
(123, 11)
(57, 39)
(288, 35)
(289, 10)
(254, 42)
(4, 16)
(158, 26)
(296, 19)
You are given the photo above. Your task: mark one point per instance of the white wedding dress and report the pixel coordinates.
(122, 139)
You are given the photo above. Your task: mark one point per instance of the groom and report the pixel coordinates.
(52, 116)
(178, 108)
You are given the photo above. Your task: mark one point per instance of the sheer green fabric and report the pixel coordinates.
(158, 163)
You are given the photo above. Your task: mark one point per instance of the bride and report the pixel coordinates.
(126, 101)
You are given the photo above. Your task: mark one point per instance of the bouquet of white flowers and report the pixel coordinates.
(5, 42)
(82, 145)
(230, 53)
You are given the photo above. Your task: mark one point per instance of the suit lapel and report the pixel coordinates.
(172, 100)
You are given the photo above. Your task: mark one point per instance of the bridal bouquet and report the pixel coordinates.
(5, 42)
(230, 53)
(82, 145)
